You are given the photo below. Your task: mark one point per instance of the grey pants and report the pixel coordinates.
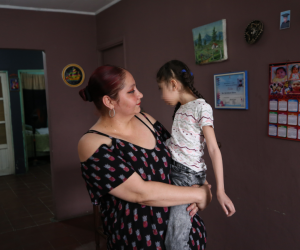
(180, 225)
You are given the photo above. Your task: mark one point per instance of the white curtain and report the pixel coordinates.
(31, 81)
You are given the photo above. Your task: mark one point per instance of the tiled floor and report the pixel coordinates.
(26, 212)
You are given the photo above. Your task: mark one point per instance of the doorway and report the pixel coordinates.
(6, 137)
(27, 107)
(113, 53)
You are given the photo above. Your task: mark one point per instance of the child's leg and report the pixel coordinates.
(179, 224)
(179, 227)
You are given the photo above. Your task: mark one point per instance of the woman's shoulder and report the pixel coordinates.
(143, 116)
(89, 143)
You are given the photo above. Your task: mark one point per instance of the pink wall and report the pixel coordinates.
(66, 38)
(261, 174)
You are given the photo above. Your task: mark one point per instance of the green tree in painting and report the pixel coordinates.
(199, 40)
(214, 35)
(204, 41)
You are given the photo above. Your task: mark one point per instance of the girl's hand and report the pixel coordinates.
(226, 203)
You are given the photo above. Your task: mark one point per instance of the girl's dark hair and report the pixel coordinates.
(180, 71)
(105, 80)
(280, 68)
(295, 67)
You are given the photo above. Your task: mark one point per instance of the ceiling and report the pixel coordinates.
(85, 7)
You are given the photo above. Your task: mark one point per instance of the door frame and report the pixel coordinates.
(29, 71)
(8, 123)
(109, 45)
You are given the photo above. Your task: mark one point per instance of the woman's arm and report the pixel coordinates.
(150, 193)
(158, 194)
(216, 158)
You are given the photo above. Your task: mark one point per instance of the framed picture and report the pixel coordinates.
(231, 90)
(210, 42)
(14, 84)
(285, 19)
(73, 75)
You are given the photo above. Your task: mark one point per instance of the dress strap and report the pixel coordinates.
(145, 123)
(146, 118)
(97, 132)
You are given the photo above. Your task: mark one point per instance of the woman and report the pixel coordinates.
(126, 165)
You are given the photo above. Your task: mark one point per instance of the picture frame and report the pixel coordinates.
(285, 19)
(210, 44)
(231, 90)
(14, 84)
(73, 75)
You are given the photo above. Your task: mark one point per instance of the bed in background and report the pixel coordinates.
(42, 141)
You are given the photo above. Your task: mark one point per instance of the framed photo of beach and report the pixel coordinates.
(231, 90)
(210, 42)
(73, 75)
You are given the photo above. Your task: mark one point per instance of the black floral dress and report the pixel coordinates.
(131, 225)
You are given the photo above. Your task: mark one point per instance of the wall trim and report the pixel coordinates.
(4, 6)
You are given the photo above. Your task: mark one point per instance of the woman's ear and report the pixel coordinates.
(108, 102)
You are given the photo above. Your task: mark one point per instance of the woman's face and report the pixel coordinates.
(129, 97)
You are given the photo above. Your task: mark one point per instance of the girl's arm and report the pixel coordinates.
(158, 194)
(216, 158)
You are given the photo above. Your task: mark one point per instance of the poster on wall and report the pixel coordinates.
(284, 101)
(14, 82)
(210, 42)
(231, 90)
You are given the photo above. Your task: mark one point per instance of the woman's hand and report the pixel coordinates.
(207, 196)
(226, 203)
(193, 209)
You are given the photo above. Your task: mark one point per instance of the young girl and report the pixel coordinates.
(192, 128)
(295, 73)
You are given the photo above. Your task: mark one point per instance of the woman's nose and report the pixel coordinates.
(140, 94)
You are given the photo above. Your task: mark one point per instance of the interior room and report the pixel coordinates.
(44, 203)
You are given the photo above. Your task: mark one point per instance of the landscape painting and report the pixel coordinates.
(210, 42)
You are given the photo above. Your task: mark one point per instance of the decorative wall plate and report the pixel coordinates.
(73, 75)
(253, 31)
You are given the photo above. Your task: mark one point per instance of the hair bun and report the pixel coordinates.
(82, 94)
(85, 95)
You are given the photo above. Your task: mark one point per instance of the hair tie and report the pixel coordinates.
(87, 94)
(183, 70)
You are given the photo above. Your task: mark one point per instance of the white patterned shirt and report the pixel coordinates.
(187, 141)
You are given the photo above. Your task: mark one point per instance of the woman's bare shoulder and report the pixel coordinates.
(89, 143)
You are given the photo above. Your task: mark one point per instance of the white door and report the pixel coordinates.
(7, 163)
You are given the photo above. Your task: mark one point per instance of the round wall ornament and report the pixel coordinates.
(254, 31)
(73, 75)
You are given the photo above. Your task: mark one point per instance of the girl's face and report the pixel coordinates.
(280, 73)
(129, 97)
(168, 93)
(295, 70)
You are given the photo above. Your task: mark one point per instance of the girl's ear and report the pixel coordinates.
(108, 102)
(175, 84)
